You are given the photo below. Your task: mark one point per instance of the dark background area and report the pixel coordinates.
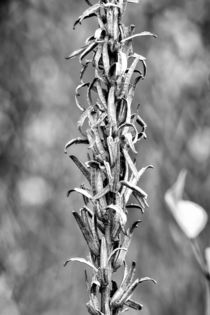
(38, 116)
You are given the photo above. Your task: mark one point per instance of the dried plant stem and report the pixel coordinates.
(112, 133)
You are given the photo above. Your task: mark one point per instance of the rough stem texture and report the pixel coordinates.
(111, 137)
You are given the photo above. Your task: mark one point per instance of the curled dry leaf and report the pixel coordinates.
(81, 260)
(75, 141)
(80, 191)
(138, 35)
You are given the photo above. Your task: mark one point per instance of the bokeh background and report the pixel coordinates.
(38, 116)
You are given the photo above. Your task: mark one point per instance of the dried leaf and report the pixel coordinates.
(129, 141)
(128, 278)
(96, 180)
(87, 13)
(122, 111)
(80, 191)
(89, 96)
(131, 93)
(89, 39)
(119, 260)
(135, 188)
(133, 205)
(126, 127)
(147, 279)
(138, 35)
(109, 173)
(99, 144)
(81, 167)
(76, 52)
(90, 47)
(84, 68)
(83, 223)
(81, 260)
(130, 72)
(92, 144)
(77, 94)
(126, 283)
(75, 141)
(101, 94)
(134, 226)
(130, 163)
(127, 294)
(112, 148)
(141, 172)
(82, 119)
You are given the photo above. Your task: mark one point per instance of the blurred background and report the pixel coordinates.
(38, 116)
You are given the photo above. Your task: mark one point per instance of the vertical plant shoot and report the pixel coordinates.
(113, 131)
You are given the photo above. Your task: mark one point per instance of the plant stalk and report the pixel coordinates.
(112, 134)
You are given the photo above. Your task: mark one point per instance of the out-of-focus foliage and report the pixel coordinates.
(38, 115)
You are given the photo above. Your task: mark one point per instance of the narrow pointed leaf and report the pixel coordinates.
(87, 233)
(122, 254)
(76, 52)
(129, 292)
(77, 94)
(87, 50)
(129, 277)
(75, 141)
(138, 35)
(134, 226)
(101, 94)
(81, 260)
(87, 13)
(147, 279)
(82, 119)
(80, 191)
(83, 69)
(135, 188)
(134, 205)
(81, 167)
